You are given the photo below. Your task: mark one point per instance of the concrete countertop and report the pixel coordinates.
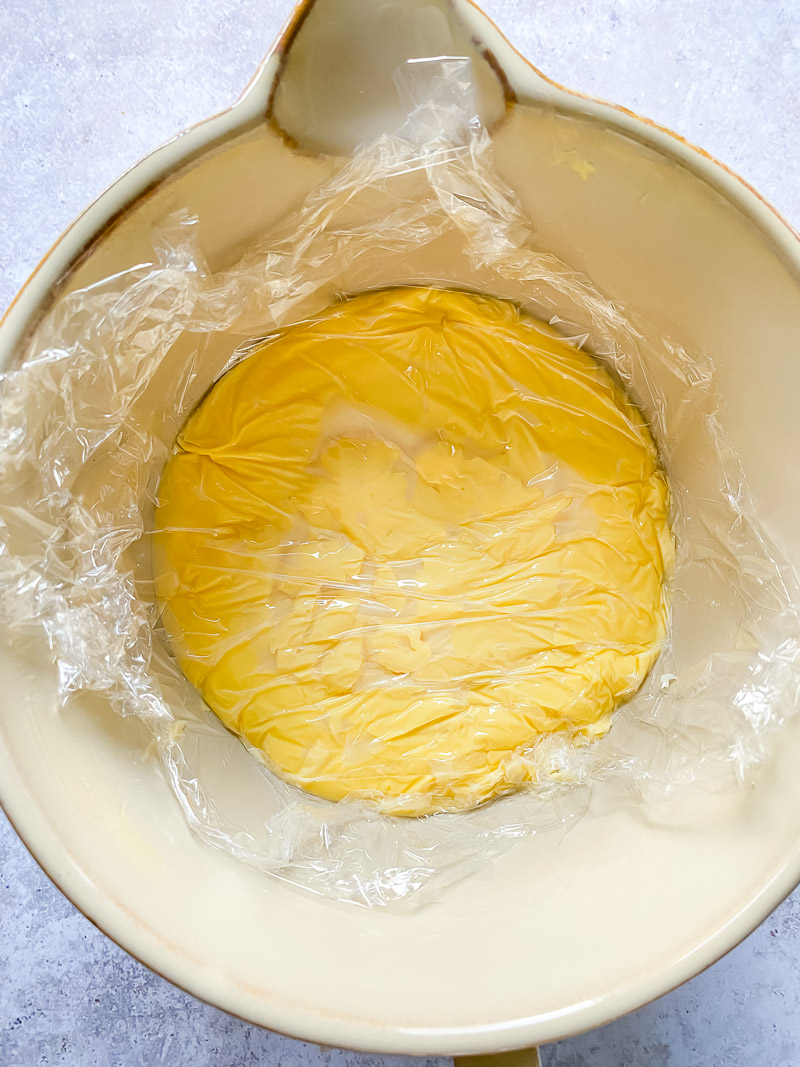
(89, 86)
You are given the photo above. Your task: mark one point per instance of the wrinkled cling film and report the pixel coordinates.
(89, 418)
(401, 541)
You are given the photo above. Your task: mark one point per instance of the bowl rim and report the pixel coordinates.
(528, 84)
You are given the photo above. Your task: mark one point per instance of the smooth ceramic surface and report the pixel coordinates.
(724, 851)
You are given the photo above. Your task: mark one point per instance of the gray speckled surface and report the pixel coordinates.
(89, 86)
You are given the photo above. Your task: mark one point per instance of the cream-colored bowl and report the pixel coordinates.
(561, 934)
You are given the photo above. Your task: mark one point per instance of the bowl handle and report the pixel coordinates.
(334, 83)
(524, 1057)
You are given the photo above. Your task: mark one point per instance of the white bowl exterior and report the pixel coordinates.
(561, 935)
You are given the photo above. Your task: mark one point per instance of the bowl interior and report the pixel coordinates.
(565, 931)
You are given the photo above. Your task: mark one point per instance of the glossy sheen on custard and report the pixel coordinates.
(398, 543)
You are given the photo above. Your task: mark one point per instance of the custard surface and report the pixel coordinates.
(398, 543)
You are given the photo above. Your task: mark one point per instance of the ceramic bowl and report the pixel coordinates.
(561, 934)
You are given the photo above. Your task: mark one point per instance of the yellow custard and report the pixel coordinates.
(398, 543)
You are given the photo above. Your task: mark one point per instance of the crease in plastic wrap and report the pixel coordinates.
(90, 416)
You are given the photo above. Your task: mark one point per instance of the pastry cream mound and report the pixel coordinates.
(401, 541)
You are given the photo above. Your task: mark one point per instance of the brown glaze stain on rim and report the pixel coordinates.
(509, 93)
(281, 49)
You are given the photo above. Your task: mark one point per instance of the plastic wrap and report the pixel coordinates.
(90, 417)
(402, 541)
